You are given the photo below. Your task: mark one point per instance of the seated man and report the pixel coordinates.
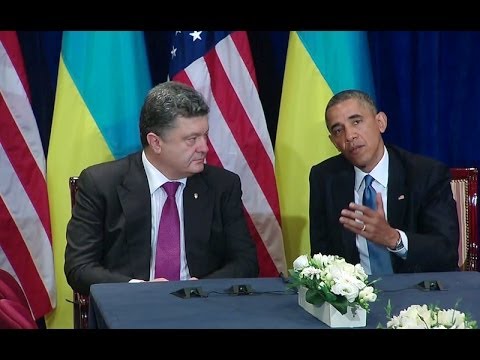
(161, 213)
(380, 206)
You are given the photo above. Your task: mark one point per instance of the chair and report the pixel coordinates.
(464, 187)
(14, 315)
(80, 302)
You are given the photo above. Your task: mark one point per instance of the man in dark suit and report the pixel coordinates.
(115, 232)
(413, 219)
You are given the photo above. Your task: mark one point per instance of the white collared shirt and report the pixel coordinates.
(380, 184)
(158, 196)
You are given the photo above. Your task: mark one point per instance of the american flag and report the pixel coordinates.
(219, 65)
(25, 235)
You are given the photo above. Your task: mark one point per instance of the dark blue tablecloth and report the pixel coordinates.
(270, 305)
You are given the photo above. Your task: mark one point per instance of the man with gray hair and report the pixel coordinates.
(161, 213)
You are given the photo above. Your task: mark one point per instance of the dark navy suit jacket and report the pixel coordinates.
(420, 203)
(109, 234)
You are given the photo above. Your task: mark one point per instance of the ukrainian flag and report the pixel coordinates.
(103, 78)
(319, 64)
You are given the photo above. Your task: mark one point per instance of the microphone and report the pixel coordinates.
(243, 289)
(189, 292)
(430, 285)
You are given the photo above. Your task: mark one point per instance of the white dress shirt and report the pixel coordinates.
(158, 196)
(380, 184)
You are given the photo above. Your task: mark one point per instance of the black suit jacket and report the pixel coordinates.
(420, 202)
(109, 233)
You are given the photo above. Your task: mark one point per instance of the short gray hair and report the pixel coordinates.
(164, 103)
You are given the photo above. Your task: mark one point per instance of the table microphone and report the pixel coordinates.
(189, 292)
(243, 289)
(430, 285)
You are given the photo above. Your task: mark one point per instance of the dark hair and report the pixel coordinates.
(164, 103)
(342, 96)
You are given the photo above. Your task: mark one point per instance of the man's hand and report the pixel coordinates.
(369, 223)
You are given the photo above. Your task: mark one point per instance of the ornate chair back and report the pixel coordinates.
(465, 188)
(80, 302)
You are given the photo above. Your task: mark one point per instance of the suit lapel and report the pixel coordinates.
(134, 196)
(397, 191)
(197, 208)
(343, 185)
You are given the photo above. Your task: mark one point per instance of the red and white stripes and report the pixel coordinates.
(25, 235)
(239, 139)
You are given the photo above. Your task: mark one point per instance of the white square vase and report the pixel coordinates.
(331, 316)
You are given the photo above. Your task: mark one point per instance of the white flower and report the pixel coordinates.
(345, 288)
(317, 260)
(310, 272)
(360, 272)
(367, 294)
(300, 263)
(430, 317)
(451, 317)
(331, 278)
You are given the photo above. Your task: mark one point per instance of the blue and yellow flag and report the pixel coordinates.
(103, 78)
(319, 64)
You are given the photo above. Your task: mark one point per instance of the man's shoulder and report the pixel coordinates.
(112, 169)
(217, 172)
(333, 164)
(414, 160)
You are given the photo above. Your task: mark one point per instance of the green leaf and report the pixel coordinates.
(388, 310)
(314, 297)
(329, 296)
(340, 305)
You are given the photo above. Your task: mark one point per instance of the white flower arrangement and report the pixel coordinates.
(429, 317)
(331, 279)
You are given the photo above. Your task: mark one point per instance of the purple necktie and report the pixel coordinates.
(167, 260)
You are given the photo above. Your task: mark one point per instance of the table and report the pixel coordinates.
(271, 305)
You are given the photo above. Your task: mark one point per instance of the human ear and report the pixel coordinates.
(381, 119)
(155, 142)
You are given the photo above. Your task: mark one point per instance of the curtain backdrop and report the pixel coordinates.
(428, 85)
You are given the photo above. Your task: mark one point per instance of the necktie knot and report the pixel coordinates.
(368, 180)
(369, 193)
(171, 188)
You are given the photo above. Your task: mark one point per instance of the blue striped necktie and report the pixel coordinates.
(380, 262)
